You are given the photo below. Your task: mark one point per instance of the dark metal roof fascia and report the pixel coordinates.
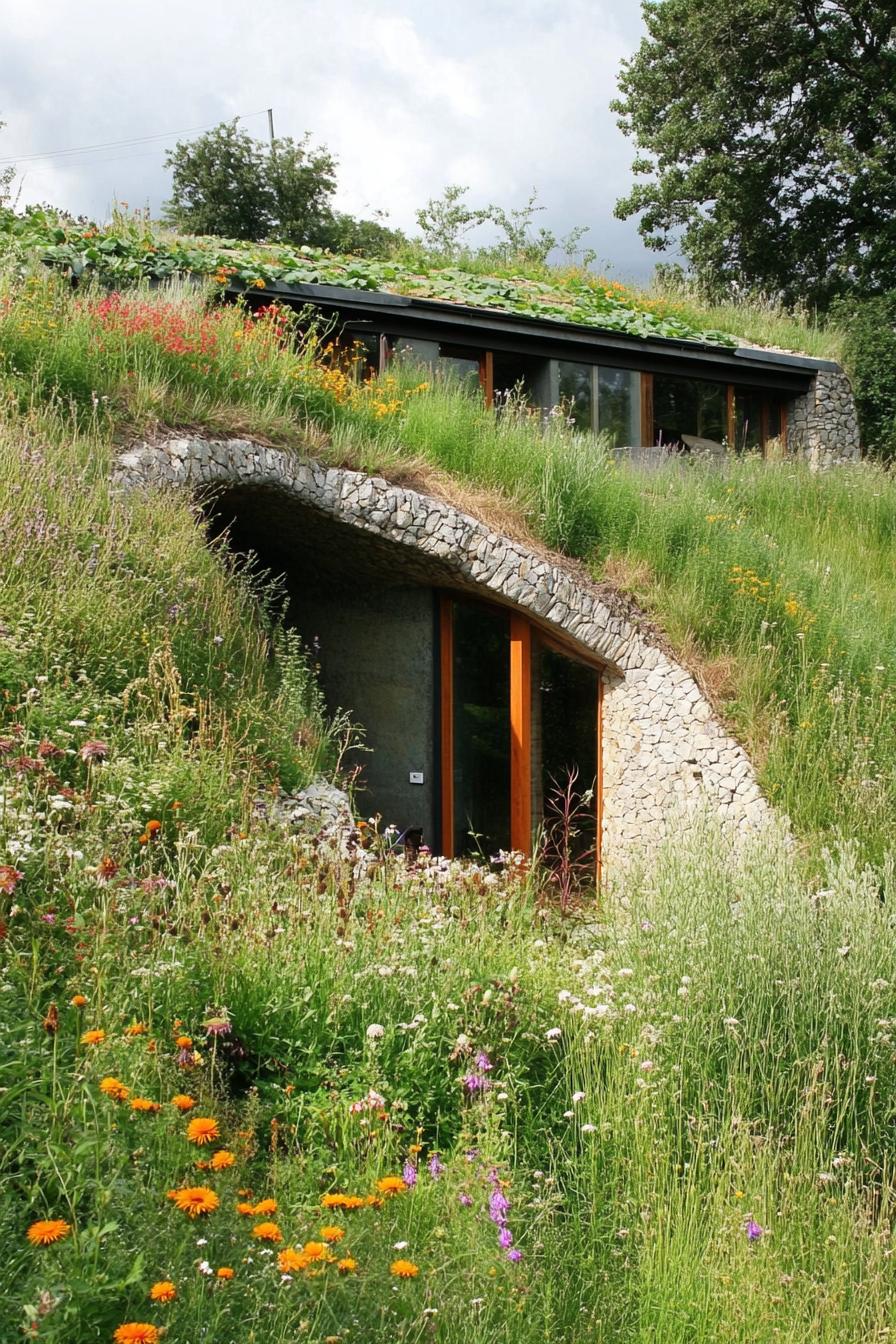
(543, 336)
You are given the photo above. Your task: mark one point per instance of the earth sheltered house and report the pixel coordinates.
(486, 673)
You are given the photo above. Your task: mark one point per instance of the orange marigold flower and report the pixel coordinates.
(184, 1042)
(136, 1332)
(316, 1250)
(267, 1232)
(145, 1105)
(194, 1199)
(78, 1001)
(136, 1029)
(373, 1202)
(347, 1266)
(47, 1230)
(337, 1200)
(247, 1210)
(93, 1037)
(265, 1207)
(111, 1087)
(404, 1269)
(289, 1261)
(153, 826)
(222, 1159)
(332, 1234)
(225, 1272)
(391, 1185)
(204, 1129)
(163, 1291)
(183, 1102)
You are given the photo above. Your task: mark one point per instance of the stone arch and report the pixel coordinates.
(665, 755)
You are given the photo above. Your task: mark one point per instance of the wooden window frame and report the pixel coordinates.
(522, 633)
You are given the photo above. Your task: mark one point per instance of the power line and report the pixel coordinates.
(136, 140)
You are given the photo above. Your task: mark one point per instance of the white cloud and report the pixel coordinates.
(503, 96)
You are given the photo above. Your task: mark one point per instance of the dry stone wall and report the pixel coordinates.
(666, 758)
(823, 424)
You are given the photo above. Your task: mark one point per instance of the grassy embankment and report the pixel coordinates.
(689, 1104)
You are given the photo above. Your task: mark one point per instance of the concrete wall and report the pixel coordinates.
(376, 654)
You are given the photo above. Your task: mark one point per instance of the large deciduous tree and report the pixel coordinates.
(227, 183)
(766, 132)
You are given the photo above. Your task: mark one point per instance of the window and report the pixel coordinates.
(480, 676)
(604, 399)
(688, 408)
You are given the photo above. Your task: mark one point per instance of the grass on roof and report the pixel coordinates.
(130, 249)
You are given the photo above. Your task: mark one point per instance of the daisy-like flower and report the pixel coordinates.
(225, 1272)
(222, 1159)
(194, 1199)
(332, 1233)
(348, 1265)
(336, 1200)
(204, 1129)
(95, 1037)
(290, 1261)
(137, 1332)
(184, 1042)
(111, 1087)
(391, 1185)
(265, 1207)
(404, 1269)
(135, 1029)
(183, 1102)
(9, 878)
(78, 1001)
(163, 1291)
(246, 1209)
(267, 1232)
(145, 1105)
(47, 1230)
(316, 1250)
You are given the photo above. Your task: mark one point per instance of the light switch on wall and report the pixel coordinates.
(415, 777)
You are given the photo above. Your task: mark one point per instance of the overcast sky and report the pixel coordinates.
(502, 95)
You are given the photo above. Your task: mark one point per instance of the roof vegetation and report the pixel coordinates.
(131, 249)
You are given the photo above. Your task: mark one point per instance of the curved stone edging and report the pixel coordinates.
(665, 755)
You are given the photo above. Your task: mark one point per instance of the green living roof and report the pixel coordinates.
(130, 250)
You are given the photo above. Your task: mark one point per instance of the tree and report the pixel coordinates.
(767, 130)
(445, 220)
(229, 184)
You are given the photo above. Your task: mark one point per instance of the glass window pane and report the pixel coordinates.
(689, 407)
(619, 406)
(574, 386)
(568, 702)
(481, 729)
(748, 421)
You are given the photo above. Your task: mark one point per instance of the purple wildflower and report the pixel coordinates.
(482, 1062)
(436, 1167)
(514, 1256)
(753, 1230)
(409, 1174)
(465, 1199)
(94, 751)
(476, 1082)
(471, 1154)
(505, 1238)
(498, 1206)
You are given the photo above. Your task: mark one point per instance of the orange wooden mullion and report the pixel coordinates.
(647, 426)
(446, 722)
(520, 734)
(487, 377)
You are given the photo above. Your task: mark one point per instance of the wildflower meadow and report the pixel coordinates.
(265, 1084)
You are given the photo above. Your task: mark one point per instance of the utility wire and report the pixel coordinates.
(117, 144)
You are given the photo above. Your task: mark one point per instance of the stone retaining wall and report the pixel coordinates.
(823, 424)
(665, 755)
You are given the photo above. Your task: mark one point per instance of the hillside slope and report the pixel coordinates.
(415, 1104)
